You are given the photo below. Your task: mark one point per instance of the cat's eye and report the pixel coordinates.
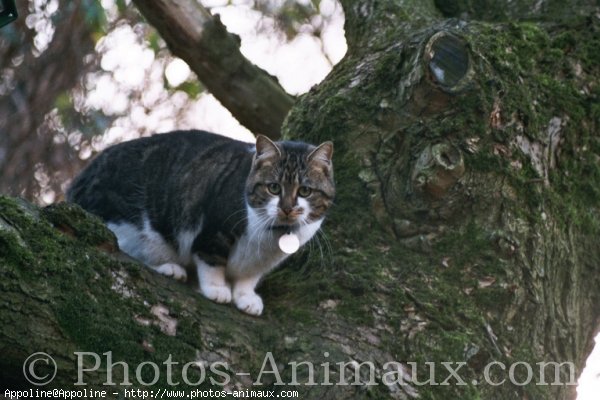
(274, 188)
(304, 191)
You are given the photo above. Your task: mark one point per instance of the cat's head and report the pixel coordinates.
(290, 183)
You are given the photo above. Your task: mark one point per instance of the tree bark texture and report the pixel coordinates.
(254, 97)
(465, 228)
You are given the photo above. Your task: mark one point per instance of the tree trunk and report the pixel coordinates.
(464, 236)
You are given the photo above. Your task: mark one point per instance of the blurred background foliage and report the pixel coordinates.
(77, 76)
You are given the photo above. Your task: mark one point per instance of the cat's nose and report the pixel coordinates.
(287, 210)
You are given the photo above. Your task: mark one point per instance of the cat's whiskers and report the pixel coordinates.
(328, 251)
(264, 223)
(253, 225)
(305, 222)
(241, 210)
(256, 228)
(311, 245)
(267, 229)
(241, 220)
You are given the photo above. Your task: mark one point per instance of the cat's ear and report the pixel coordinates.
(265, 148)
(322, 154)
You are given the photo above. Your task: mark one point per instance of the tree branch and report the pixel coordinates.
(373, 16)
(253, 96)
(510, 10)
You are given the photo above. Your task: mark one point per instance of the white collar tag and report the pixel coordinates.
(289, 243)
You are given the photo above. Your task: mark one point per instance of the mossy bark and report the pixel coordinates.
(465, 229)
(492, 243)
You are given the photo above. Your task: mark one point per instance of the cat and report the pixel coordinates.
(189, 199)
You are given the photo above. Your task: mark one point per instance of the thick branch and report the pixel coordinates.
(65, 289)
(365, 18)
(440, 129)
(253, 96)
(504, 10)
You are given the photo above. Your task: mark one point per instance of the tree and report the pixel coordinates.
(465, 229)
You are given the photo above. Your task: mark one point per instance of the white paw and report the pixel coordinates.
(173, 270)
(250, 303)
(217, 293)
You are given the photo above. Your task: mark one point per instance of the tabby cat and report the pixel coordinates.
(194, 199)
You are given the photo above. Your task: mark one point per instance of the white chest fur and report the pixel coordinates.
(257, 251)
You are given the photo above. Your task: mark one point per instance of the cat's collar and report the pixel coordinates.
(283, 229)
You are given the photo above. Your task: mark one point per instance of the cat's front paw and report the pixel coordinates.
(173, 270)
(216, 293)
(250, 303)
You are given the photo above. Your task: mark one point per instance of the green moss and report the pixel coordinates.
(73, 220)
(50, 263)
(548, 87)
(13, 249)
(82, 317)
